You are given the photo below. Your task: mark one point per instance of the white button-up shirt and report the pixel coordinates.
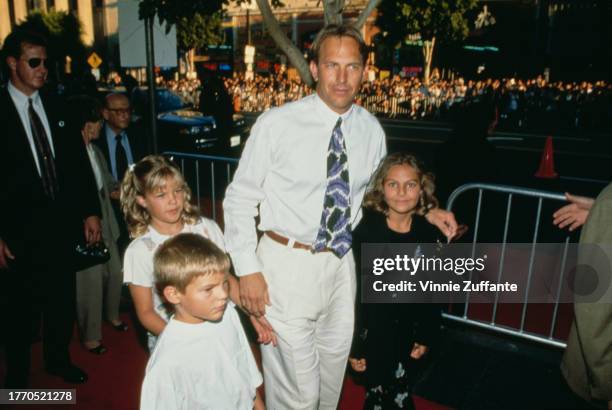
(21, 103)
(283, 170)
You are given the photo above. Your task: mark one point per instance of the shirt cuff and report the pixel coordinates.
(245, 263)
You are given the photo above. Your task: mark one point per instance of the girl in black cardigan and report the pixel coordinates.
(391, 339)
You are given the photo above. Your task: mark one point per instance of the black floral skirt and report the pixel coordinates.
(396, 394)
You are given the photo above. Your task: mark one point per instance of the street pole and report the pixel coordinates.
(248, 26)
(248, 62)
(151, 81)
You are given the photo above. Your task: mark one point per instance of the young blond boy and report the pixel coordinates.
(202, 359)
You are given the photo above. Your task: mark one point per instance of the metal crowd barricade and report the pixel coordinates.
(198, 170)
(218, 171)
(492, 325)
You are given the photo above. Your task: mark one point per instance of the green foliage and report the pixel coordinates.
(444, 19)
(62, 31)
(172, 11)
(199, 30)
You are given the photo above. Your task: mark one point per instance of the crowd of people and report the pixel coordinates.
(188, 89)
(314, 175)
(534, 104)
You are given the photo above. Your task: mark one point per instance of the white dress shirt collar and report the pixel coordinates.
(20, 98)
(110, 134)
(328, 114)
(22, 105)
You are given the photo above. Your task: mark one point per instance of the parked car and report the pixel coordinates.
(183, 128)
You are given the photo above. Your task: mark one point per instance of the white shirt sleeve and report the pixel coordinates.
(381, 152)
(382, 148)
(255, 378)
(243, 196)
(138, 265)
(213, 232)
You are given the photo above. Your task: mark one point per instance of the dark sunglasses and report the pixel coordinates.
(35, 62)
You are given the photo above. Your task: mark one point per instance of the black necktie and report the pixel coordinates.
(121, 161)
(43, 152)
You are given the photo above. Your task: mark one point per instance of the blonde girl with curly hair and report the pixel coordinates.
(155, 200)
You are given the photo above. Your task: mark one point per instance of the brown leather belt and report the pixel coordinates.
(284, 241)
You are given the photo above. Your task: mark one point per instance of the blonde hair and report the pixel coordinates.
(374, 198)
(146, 176)
(184, 257)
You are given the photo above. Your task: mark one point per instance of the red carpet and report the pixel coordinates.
(353, 396)
(115, 377)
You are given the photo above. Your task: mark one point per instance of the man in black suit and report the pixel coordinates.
(122, 145)
(48, 203)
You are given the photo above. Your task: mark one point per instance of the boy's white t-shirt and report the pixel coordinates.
(201, 366)
(138, 260)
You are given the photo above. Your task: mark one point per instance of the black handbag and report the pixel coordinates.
(86, 256)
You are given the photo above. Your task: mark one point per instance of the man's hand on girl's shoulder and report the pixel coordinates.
(443, 220)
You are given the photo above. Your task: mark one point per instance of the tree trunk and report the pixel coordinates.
(191, 60)
(428, 48)
(280, 38)
(332, 10)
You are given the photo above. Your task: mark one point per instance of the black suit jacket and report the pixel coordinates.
(138, 144)
(30, 222)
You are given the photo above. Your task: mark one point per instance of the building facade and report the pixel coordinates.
(571, 37)
(299, 19)
(99, 21)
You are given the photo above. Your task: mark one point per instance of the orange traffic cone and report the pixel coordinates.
(547, 163)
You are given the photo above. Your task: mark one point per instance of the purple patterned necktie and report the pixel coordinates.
(335, 229)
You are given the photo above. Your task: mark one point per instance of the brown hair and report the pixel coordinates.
(374, 198)
(19, 38)
(148, 175)
(184, 257)
(338, 30)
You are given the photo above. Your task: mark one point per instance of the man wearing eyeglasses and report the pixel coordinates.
(48, 204)
(122, 145)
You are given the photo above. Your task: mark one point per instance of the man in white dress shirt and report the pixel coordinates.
(304, 171)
